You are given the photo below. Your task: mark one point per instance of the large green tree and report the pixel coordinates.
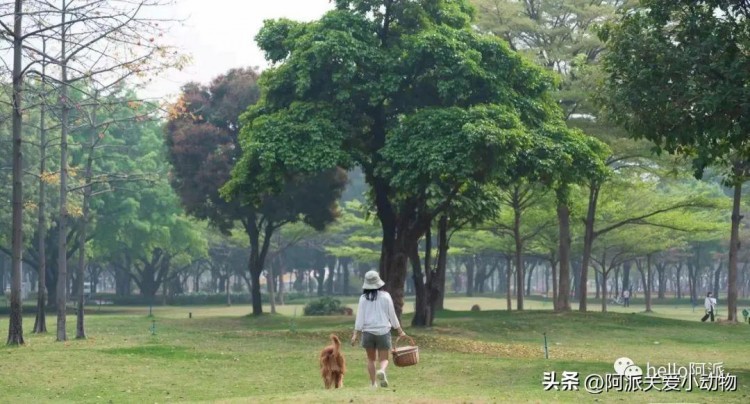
(678, 77)
(406, 90)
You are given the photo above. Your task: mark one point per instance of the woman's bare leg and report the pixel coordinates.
(380, 374)
(371, 363)
(383, 358)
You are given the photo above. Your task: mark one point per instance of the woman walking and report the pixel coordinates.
(375, 318)
(710, 305)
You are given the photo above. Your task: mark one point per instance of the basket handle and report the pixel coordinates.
(402, 336)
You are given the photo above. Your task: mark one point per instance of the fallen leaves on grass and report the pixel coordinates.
(442, 343)
(451, 344)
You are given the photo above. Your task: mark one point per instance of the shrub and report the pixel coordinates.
(325, 306)
(475, 308)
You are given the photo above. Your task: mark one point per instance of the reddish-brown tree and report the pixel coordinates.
(203, 146)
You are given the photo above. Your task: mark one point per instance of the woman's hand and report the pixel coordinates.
(401, 332)
(354, 338)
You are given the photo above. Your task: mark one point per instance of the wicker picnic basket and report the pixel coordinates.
(405, 355)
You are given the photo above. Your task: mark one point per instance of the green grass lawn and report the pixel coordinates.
(222, 355)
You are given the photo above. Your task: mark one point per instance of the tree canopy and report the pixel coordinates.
(407, 91)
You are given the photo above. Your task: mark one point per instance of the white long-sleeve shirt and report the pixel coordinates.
(376, 316)
(709, 303)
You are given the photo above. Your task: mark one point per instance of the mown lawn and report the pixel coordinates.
(222, 355)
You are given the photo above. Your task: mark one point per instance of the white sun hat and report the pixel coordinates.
(372, 281)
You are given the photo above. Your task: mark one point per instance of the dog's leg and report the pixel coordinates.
(327, 380)
(340, 381)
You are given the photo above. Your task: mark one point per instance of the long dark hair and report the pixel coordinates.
(371, 294)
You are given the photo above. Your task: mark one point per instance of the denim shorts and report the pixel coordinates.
(379, 342)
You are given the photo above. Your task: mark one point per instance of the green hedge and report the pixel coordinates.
(325, 306)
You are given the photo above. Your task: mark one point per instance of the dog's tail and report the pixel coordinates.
(336, 342)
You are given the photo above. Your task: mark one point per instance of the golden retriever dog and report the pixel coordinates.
(332, 364)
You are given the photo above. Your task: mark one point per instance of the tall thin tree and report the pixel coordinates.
(15, 329)
(40, 323)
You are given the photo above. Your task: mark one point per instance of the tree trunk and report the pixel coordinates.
(147, 277)
(80, 328)
(227, 289)
(641, 270)
(270, 279)
(693, 290)
(196, 282)
(744, 278)
(508, 281)
(395, 273)
(563, 291)
(255, 288)
(494, 276)
(320, 277)
(392, 262)
(555, 295)
(421, 285)
(617, 292)
(331, 271)
(520, 274)
(481, 278)
(695, 275)
(95, 272)
(734, 247)
(122, 280)
(470, 276)
(257, 259)
(678, 270)
(15, 327)
(338, 287)
(661, 274)
(588, 242)
(626, 275)
(2, 272)
(73, 291)
(576, 278)
(648, 287)
(438, 287)
(398, 236)
(604, 288)
(345, 282)
(480, 275)
(491, 275)
(529, 275)
(281, 289)
(437, 281)
(62, 245)
(40, 323)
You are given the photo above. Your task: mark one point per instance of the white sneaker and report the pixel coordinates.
(381, 378)
(374, 386)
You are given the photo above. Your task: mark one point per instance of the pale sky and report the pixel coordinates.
(218, 35)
